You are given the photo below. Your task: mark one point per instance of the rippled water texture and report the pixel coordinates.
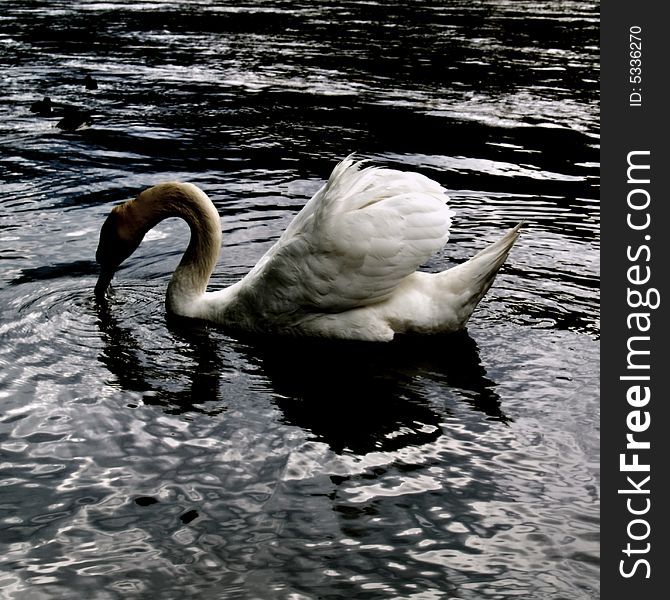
(147, 458)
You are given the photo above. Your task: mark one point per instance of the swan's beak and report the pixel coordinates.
(104, 279)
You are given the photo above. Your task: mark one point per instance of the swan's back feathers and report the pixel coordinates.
(353, 243)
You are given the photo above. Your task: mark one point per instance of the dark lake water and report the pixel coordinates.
(146, 458)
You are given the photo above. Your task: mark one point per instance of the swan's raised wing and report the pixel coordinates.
(353, 243)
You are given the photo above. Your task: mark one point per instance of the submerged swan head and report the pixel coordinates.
(118, 240)
(346, 266)
(126, 225)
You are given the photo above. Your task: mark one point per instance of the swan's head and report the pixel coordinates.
(119, 238)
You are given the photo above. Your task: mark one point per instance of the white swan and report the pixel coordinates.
(346, 266)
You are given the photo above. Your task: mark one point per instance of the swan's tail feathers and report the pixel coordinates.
(470, 280)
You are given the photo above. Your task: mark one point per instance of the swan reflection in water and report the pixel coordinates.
(341, 391)
(342, 276)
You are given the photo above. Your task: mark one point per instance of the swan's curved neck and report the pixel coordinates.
(189, 281)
